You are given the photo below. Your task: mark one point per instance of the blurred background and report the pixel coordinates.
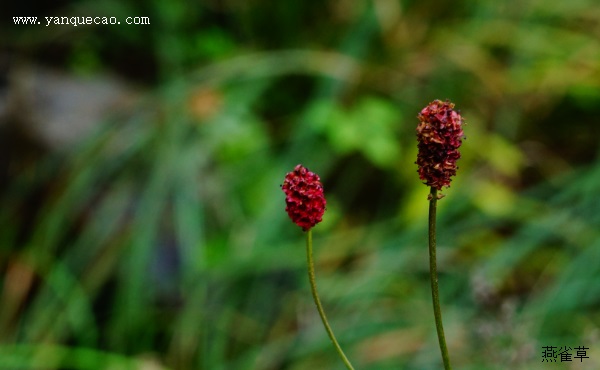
(141, 221)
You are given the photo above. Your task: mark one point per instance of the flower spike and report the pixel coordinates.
(304, 198)
(440, 135)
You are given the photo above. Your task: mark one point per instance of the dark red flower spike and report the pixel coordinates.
(304, 198)
(440, 135)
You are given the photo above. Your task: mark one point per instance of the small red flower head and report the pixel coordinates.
(304, 197)
(440, 135)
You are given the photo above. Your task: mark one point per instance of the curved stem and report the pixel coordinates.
(437, 312)
(313, 287)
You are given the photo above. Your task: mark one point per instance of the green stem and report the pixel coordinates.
(313, 287)
(435, 295)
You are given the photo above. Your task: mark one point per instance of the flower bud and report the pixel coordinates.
(439, 134)
(305, 202)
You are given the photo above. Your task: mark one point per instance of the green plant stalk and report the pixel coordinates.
(435, 295)
(313, 288)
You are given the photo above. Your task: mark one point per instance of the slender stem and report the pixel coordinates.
(435, 295)
(313, 287)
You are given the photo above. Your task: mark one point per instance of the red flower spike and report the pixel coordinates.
(440, 135)
(304, 199)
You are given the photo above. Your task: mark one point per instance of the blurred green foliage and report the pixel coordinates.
(161, 240)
